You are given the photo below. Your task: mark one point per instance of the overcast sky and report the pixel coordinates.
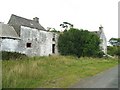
(85, 14)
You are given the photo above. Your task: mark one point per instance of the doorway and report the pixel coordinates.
(53, 48)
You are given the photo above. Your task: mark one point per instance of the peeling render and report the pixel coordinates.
(32, 42)
(41, 42)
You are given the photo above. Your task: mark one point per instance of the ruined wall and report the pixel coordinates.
(32, 42)
(41, 42)
(56, 42)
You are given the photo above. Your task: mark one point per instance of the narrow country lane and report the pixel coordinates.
(106, 79)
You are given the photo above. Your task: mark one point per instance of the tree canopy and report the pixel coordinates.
(78, 42)
(66, 25)
(115, 41)
(115, 48)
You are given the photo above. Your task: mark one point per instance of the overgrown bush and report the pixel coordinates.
(100, 54)
(79, 42)
(12, 55)
(113, 50)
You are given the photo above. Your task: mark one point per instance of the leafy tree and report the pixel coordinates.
(66, 25)
(79, 42)
(115, 48)
(52, 30)
(115, 41)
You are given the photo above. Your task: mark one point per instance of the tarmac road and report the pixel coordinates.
(106, 79)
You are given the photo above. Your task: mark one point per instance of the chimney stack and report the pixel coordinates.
(36, 19)
(101, 27)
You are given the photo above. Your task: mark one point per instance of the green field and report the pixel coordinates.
(51, 72)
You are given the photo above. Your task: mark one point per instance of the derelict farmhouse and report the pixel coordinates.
(29, 37)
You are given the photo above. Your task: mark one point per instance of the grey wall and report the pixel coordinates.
(103, 44)
(41, 42)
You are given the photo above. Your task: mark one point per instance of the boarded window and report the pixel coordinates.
(28, 45)
(53, 48)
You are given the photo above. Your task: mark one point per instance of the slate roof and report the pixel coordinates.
(7, 31)
(17, 21)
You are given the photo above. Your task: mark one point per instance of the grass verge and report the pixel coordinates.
(51, 72)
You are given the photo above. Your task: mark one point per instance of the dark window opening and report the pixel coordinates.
(53, 48)
(28, 45)
(53, 39)
(35, 39)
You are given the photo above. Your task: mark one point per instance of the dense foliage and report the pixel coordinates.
(115, 41)
(113, 50)
(79, 42)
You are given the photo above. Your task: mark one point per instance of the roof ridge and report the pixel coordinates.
(21, 21)
(22, 17)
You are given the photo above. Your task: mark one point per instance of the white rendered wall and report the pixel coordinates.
(8, 45)
(41, 42)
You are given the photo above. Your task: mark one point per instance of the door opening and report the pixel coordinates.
(53, 48)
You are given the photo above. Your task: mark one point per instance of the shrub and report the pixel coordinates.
(78, 42)
(100, 54)
(113, 50)
(12, 55)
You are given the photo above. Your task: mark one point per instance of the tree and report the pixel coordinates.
(65, 25)
(78, 42)
(115, 48)
(52, 30)
(115, 41)
(112, 50)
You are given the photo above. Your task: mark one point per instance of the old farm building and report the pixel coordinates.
(29, 37)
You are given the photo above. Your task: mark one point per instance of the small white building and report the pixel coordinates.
(8, 38)
(101, 35)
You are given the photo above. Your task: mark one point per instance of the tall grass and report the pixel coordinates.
(53, 71)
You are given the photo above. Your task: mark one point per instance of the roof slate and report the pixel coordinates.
(20, 21)
(7, 31)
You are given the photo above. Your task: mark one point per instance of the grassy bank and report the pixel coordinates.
(53, 71)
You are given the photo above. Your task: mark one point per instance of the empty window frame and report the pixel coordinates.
(28, 45)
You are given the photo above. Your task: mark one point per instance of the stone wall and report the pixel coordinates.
(32, 42)
(39, 42)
